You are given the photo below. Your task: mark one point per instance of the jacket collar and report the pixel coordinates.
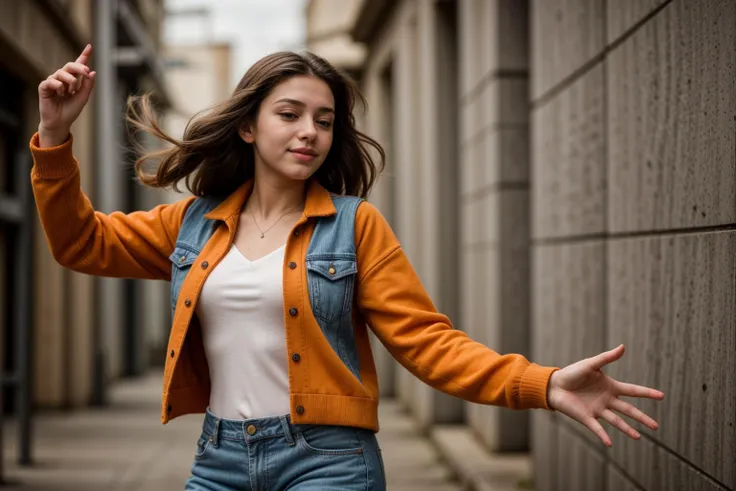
(318, 204)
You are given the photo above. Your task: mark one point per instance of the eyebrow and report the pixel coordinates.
(301, 104)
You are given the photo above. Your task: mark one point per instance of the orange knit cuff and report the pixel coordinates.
(53, 162)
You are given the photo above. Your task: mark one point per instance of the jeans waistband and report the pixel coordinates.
(248, 429)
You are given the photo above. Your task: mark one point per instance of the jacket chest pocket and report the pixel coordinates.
(181, 262)
(331, 283)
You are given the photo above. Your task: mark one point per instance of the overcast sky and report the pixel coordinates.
(254, 27)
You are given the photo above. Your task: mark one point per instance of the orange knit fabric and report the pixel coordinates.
(390, 300)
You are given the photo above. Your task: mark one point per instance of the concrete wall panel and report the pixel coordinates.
(672, 302)
(622, 15)
(506, 102)
(565, 35)
(507, 156)
(568, 302)
(544, 450)
(671, 127)
(569, 190)
(616, 481)
(580, 467)
(653, 467)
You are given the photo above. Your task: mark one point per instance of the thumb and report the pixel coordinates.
(603, 359)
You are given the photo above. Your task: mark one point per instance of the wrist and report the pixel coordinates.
(51, 138)
(550, 387)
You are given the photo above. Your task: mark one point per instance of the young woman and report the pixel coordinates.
(278, 267)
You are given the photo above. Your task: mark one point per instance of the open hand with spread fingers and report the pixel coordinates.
(584, 393)
(61, 98)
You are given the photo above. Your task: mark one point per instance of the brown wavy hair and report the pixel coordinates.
(214, 160)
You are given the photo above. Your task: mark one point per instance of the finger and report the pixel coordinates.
(632, 412)
(49, 87)
(594, 426)
(619, 423)
(84, 56)
(631, 390)
(76, 68)
(599, 361)
(65, 77)
(69, 79)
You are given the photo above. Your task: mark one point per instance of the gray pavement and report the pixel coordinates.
(125, 448)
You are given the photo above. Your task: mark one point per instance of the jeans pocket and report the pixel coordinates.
(203, 444)
(330, 440)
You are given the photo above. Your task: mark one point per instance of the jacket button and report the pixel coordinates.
(172, 353)
(182, 259)
(296, 357)
(169, 408)
(332, 270)
(296, 233)
(205, 264)
(188, 302)
(292, 265)
(293, 312)
(300, 409)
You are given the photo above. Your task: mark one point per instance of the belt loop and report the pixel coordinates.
(216, 433)
(287, 431)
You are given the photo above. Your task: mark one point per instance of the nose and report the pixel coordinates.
(308, 130)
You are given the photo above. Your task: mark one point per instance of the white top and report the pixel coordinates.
(241, 310)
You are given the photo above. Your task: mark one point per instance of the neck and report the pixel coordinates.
(272, 198)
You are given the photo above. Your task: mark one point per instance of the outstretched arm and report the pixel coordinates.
(400, 312)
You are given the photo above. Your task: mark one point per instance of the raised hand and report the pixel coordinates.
(61, 98)
(584, 393)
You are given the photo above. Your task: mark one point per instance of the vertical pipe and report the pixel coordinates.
(23, 319)
(105, 149)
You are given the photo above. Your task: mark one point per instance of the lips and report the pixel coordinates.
(305, 151)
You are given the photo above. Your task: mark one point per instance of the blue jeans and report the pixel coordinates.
(271, 454)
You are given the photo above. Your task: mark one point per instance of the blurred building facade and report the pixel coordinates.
(562, 176)
(66, 336)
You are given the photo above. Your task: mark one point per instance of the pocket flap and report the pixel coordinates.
(183, 256)
(332, 269)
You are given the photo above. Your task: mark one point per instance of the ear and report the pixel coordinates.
(246, 134)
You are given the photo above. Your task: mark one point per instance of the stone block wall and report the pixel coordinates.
(633, 225)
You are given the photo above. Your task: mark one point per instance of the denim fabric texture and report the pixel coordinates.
(271, 454)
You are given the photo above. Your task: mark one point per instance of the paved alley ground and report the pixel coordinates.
(125, 448)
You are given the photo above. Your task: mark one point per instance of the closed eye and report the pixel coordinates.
(288, 116)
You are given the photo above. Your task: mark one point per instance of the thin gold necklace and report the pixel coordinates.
(263, 232)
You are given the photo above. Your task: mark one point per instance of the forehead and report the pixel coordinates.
(312, 91)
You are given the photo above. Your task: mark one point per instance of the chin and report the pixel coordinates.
(298, 173)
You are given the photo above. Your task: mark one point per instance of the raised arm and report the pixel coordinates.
(136, 245)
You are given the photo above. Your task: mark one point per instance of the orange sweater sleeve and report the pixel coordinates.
(135, 245)
(401, 314)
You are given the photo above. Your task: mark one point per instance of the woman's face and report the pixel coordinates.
(293, 132)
